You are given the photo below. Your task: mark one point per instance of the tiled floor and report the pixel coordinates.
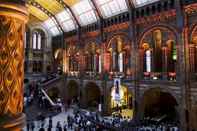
(62, 117)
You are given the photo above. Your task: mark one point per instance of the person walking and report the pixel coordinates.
(50, 122)
(32, 125)
(28, 126)
(58, 126)
(65, 126)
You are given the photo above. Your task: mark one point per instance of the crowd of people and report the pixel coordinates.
(160, 127)
(82, 120)
(76, 122)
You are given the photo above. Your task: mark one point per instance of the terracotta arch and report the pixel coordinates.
(72, 89)
(124, 35)
(54, 93)
(154, 102)
(92, 94)
(155, 27)
(193, 31)
(58, 53)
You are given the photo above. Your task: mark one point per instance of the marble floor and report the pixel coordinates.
(61, 117)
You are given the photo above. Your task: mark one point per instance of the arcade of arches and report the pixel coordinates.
(157, 103)
(139, 57)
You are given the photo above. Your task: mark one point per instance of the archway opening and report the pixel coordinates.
(73, 92)
(122, 101)
(193, 52)
(159, 106)
(93, 95)
(54, 93)
(117, 56)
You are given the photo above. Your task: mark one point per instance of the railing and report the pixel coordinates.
(170, 76)
(48, 98)
(52, 80)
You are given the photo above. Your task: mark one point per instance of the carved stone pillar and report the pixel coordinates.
(164, 63)
(12, 27)
(30, 55)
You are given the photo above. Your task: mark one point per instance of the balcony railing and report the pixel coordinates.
(170, 76)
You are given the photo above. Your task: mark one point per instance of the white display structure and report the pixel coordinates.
(100, 64)
(117, 87)
(121, 62)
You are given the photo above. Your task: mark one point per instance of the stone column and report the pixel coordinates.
(30, 54)
(164, 63)
(13, 17)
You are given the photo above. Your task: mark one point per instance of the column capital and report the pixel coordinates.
(16, 10)
(13, 123)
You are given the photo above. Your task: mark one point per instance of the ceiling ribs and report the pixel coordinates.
(97, 9)
(130, 4)
(67, 7)
(36, 4)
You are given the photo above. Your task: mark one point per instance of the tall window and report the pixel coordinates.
(193, 51)
(159, 54)
(37, 40)
(148, 60)
(34, 41)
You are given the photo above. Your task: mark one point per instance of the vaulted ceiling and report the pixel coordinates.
(59, 16)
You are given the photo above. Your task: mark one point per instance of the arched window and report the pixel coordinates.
(92, 57)
(159, 54)
(119, 50)
(37, 40)
(193, 52)
(34, 40)
(73, 58)
(172, 56)
(148, 60)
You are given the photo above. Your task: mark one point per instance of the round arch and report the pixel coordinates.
(193, 36)
(93, 94)
(32, 28)
(156, 42)
(125, 103)
(160, 104)
(115, 35)
(72, 91)
(155, 27)
(118, 52)
(58, 54)
(54, 93)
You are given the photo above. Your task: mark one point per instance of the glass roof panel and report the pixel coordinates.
(52, 26)
(54, 30)
(110, 8)
(68, 25)
(66, 20)
(84, 12)
(139, 3)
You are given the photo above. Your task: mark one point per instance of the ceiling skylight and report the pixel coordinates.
(66, 20)
(139, 3)
(110, 8)
(52, 26)
(84, 12)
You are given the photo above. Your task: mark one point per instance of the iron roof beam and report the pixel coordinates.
(36, 4)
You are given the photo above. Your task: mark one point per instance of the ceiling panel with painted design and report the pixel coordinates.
(52, 6)
(37, 13)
